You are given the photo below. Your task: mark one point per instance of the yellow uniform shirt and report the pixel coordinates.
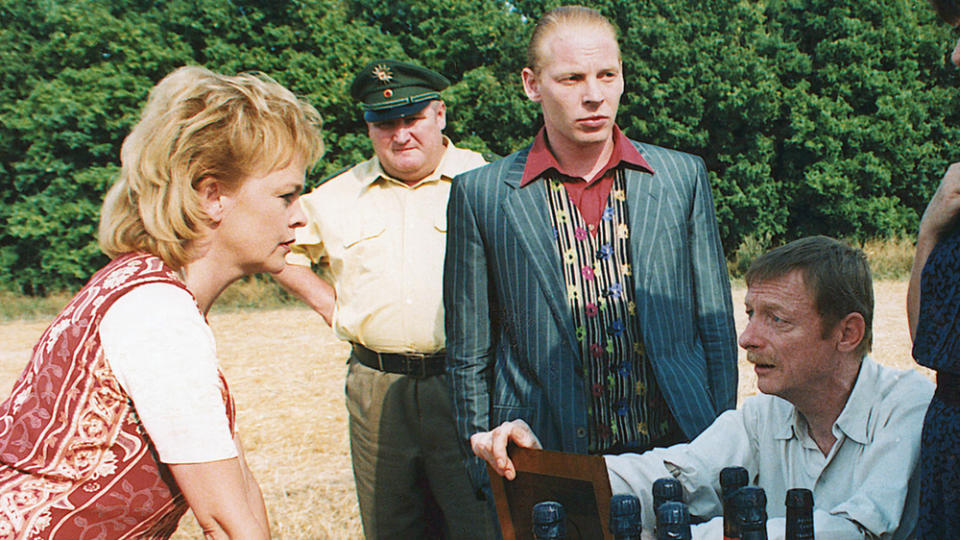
(380, 244)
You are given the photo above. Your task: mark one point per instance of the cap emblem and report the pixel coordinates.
(382, 73)
(387, 93)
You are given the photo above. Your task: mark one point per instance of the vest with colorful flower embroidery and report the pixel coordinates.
(75, 461)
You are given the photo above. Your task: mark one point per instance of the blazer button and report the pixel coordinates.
(581, 432)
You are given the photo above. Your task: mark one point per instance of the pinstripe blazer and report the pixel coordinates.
(512, 351)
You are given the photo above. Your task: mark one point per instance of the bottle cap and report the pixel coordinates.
(667, 489)
(625, 515)
(673, 521)
(799, 498)
(549, 520)
(732, 479)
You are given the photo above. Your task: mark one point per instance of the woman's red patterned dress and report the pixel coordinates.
(75, 461)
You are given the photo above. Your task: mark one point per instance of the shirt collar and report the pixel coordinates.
(540, 159)
(852, 421)
(853, 418)
(446, 169)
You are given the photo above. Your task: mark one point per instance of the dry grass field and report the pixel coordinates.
(286, 371)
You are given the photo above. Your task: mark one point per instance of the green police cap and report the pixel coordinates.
(388, 89)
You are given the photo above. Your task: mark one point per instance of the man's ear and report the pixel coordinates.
(530, 84)
(441, 110)
(211, 198)
(850, 331)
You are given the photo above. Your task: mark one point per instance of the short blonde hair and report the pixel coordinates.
(198, 124)
(562, 16)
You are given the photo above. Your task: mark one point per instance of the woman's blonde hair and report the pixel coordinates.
(199, 124)
(578, 16)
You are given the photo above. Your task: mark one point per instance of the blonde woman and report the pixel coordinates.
(122, 418)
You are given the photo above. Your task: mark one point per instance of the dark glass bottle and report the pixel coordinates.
(666, 489)
(731, 479)
(549, 521)
(625, 520)
(799, 514)
(751, 502)
(673, 521)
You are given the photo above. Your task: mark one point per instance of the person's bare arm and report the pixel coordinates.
(225, 499)
(491, 446)
(937, 218)
(306, 285)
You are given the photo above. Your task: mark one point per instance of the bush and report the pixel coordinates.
(814, 117)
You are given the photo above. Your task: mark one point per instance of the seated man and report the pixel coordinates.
(829, 418)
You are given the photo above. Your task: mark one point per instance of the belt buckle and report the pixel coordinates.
(409, 365)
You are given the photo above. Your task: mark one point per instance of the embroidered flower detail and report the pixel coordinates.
(614, 429)
(623, 231)
(632, 307)
(43, 521)
(54, 334)
(570, 256)
(587, 273)
(573, 292)
(596, 350)
(622, 407)
(626, 269)
(616, 328)
(581, 333)
(642, 428)
(120, 275)
(625, 369)
(615, 290)
(638, 347)
(563, 217)
(609, 347)
(602, 304)
(598, 390)
(607, 214)
(580, 233)
(619, 194)
(555, 184)
(641, 388)
(604, 431)
(605, 251)
(107, 465)
(591, 309)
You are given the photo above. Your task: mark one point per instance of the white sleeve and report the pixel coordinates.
(695, 464)
(163, 354)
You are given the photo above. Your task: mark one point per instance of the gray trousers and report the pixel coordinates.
(409, 470)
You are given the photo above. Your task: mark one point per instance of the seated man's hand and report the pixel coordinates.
(492, 445)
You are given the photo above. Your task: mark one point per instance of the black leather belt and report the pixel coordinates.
(412, 364)
(948, 388)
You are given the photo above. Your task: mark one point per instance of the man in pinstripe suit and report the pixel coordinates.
(585, 287)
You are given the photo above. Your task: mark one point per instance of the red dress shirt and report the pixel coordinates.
(589, 196)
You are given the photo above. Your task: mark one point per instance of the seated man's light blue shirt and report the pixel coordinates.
(865, 487)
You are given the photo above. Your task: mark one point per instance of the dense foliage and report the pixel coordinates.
(814, 116)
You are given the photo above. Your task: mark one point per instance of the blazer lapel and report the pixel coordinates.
(527, 213)
(642, 205)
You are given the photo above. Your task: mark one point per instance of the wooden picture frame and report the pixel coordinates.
(578, 482)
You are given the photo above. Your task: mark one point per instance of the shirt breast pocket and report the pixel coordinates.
(365, 244)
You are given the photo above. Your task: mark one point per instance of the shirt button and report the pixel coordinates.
(591, 227)
(581, 432)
